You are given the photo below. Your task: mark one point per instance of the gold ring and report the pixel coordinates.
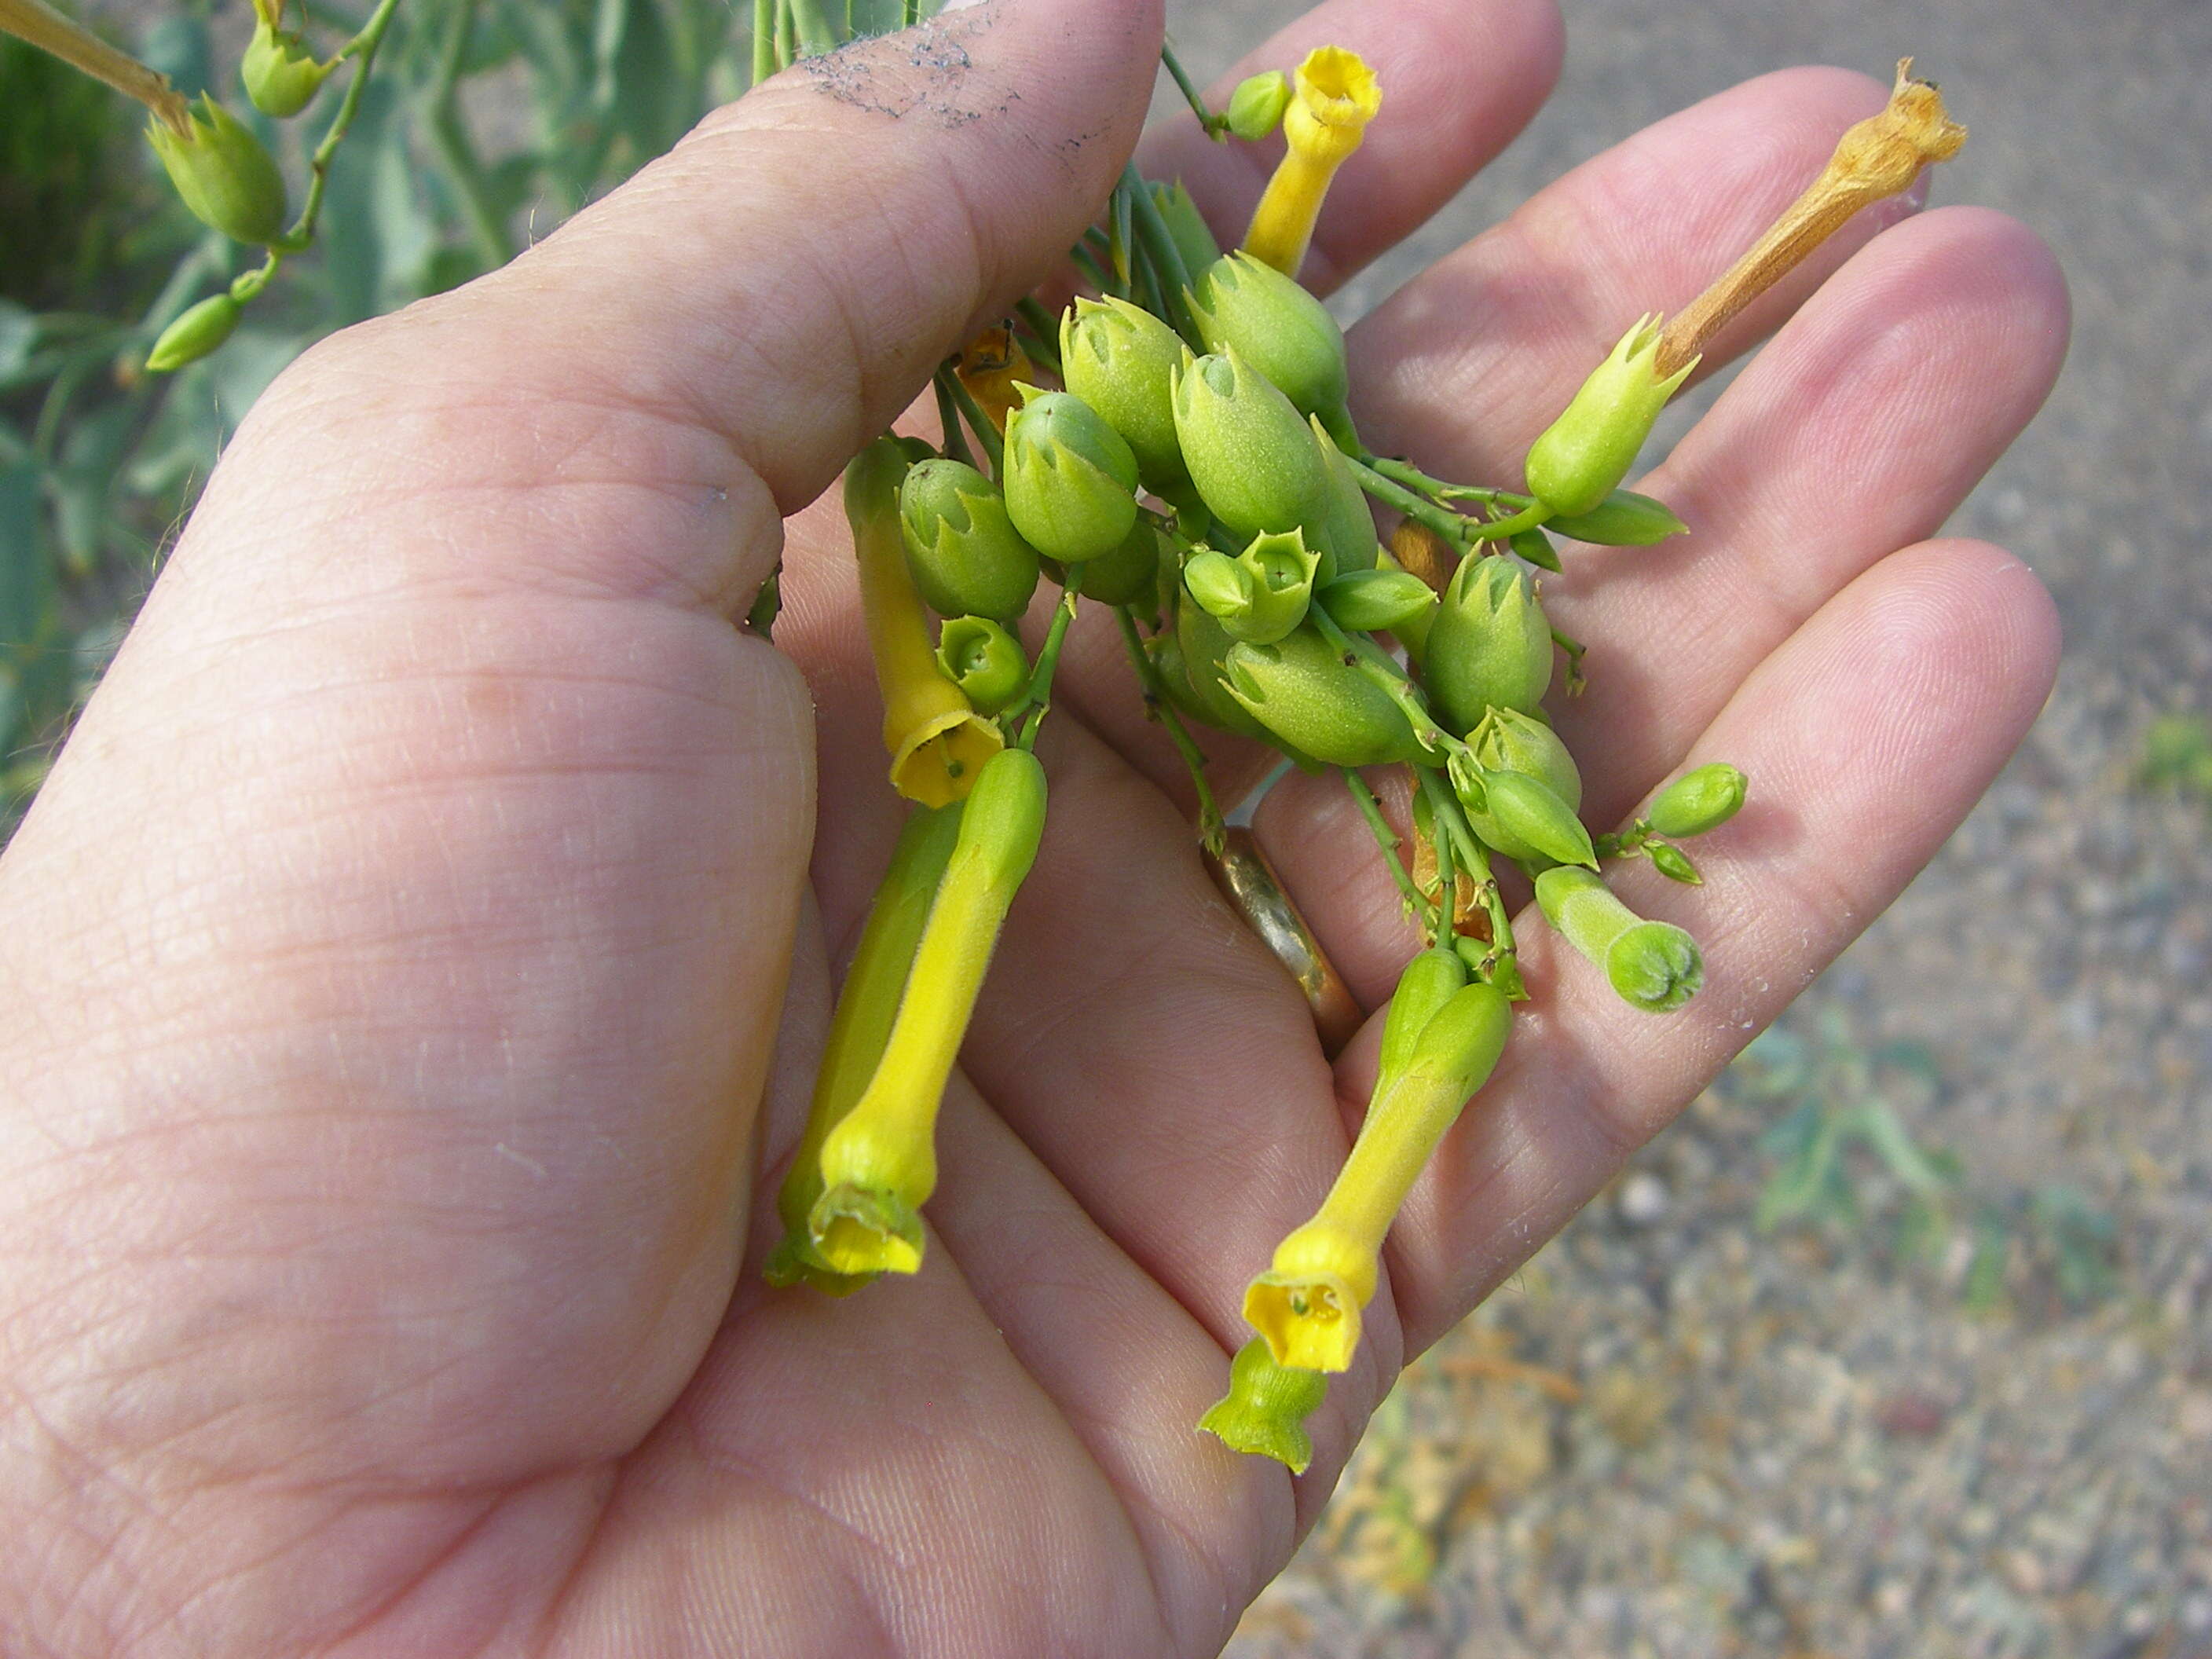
(1248, 882)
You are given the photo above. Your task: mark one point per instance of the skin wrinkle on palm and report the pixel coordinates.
(1028, 1428)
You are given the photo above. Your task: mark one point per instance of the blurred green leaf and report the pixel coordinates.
(25, 576)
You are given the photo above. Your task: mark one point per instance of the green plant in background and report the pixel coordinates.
(427, 141)
(2177, 755)
(1843, 1158)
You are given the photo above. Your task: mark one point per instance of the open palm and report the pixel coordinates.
(418, 958)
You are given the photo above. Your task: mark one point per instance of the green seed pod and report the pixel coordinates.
(1265, 1410)
(193, 335)
(1122, 360)
(1510, 741)
(1653, 964)
(1672, 862)
(1424, 986)
(1698, 801)
(280, 75)
(983, 660)
(1070, 480)
(1255, 108)
(1372, 599)
(1346, 534)
(1582, 456)
(1490, 646)
(1624, 519)
(1242, 304)
(1204, 647)
(1251, 455)
(1187, 226)
(1129, 573)
(1519, 815)
(223, 174)
(1261, 594)
(1310, 698)
(967, 557)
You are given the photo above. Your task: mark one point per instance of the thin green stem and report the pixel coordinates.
(1043, 328)
(986, 434)
(1376, 664)
(1454, 527)
(1386, 838)
(449, 140)
(783, 52)
(1498, 530)
(948, 416)
(1577, 680)
(1210, 830)
(1037, 694)
(816, 37)
(1215, 126)
(363, 47)
(1440, 490)
(1446, 814)
(1167, 257)
(764, 39)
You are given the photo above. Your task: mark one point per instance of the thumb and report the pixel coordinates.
(785, 279)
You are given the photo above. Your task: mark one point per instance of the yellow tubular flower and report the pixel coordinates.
(1333, 96)
(937, 740)
(867, 1004)
(879, 1163)
(1307, 1304)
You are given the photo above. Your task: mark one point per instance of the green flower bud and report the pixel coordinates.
(1510, 741)
(1698, 801)
(1187, 226)
(1261, 594)
(193, 335)
(967, 557)
(1372, 599)
(1490, 646)
(983, 660)
(1582, 457)
(1251, 455)
(1255, 108)
(1623, 519)
(280, 76)
(1346, 534)
(1310, 698)
(1242, 304)
(1519, 815)
(1265, 1410)
(1427, 983)
(223, 174)
(1122, 360)
(1653, 964)
(1071, 479)
(1129, 573)
(1674, 863)
(1461, 1044)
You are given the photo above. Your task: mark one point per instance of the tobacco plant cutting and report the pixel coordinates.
(1165, 434)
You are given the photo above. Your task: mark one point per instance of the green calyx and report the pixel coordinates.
(1202, 648)
(1250, 454)
(1346, 534)
(1652, 964)
(1520, 815)
(1582, 456)
(1510, 741)
(1490, 646)
(1261, 594)
(1122, 360)
(1128, 575)
(280, 76)
(193, 335)
(1255, 108)
(1264, 1411)
(1425, 985)
(1070, 479)
(1310, 698)
(984, 660)
(1698, 801)
(966, 555)
(1275, 326)
(223, 174)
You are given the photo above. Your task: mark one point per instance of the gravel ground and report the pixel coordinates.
(1677, 1434)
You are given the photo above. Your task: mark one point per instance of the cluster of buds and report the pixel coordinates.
(1179, 445)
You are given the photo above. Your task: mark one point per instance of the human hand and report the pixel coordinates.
(417, 958)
